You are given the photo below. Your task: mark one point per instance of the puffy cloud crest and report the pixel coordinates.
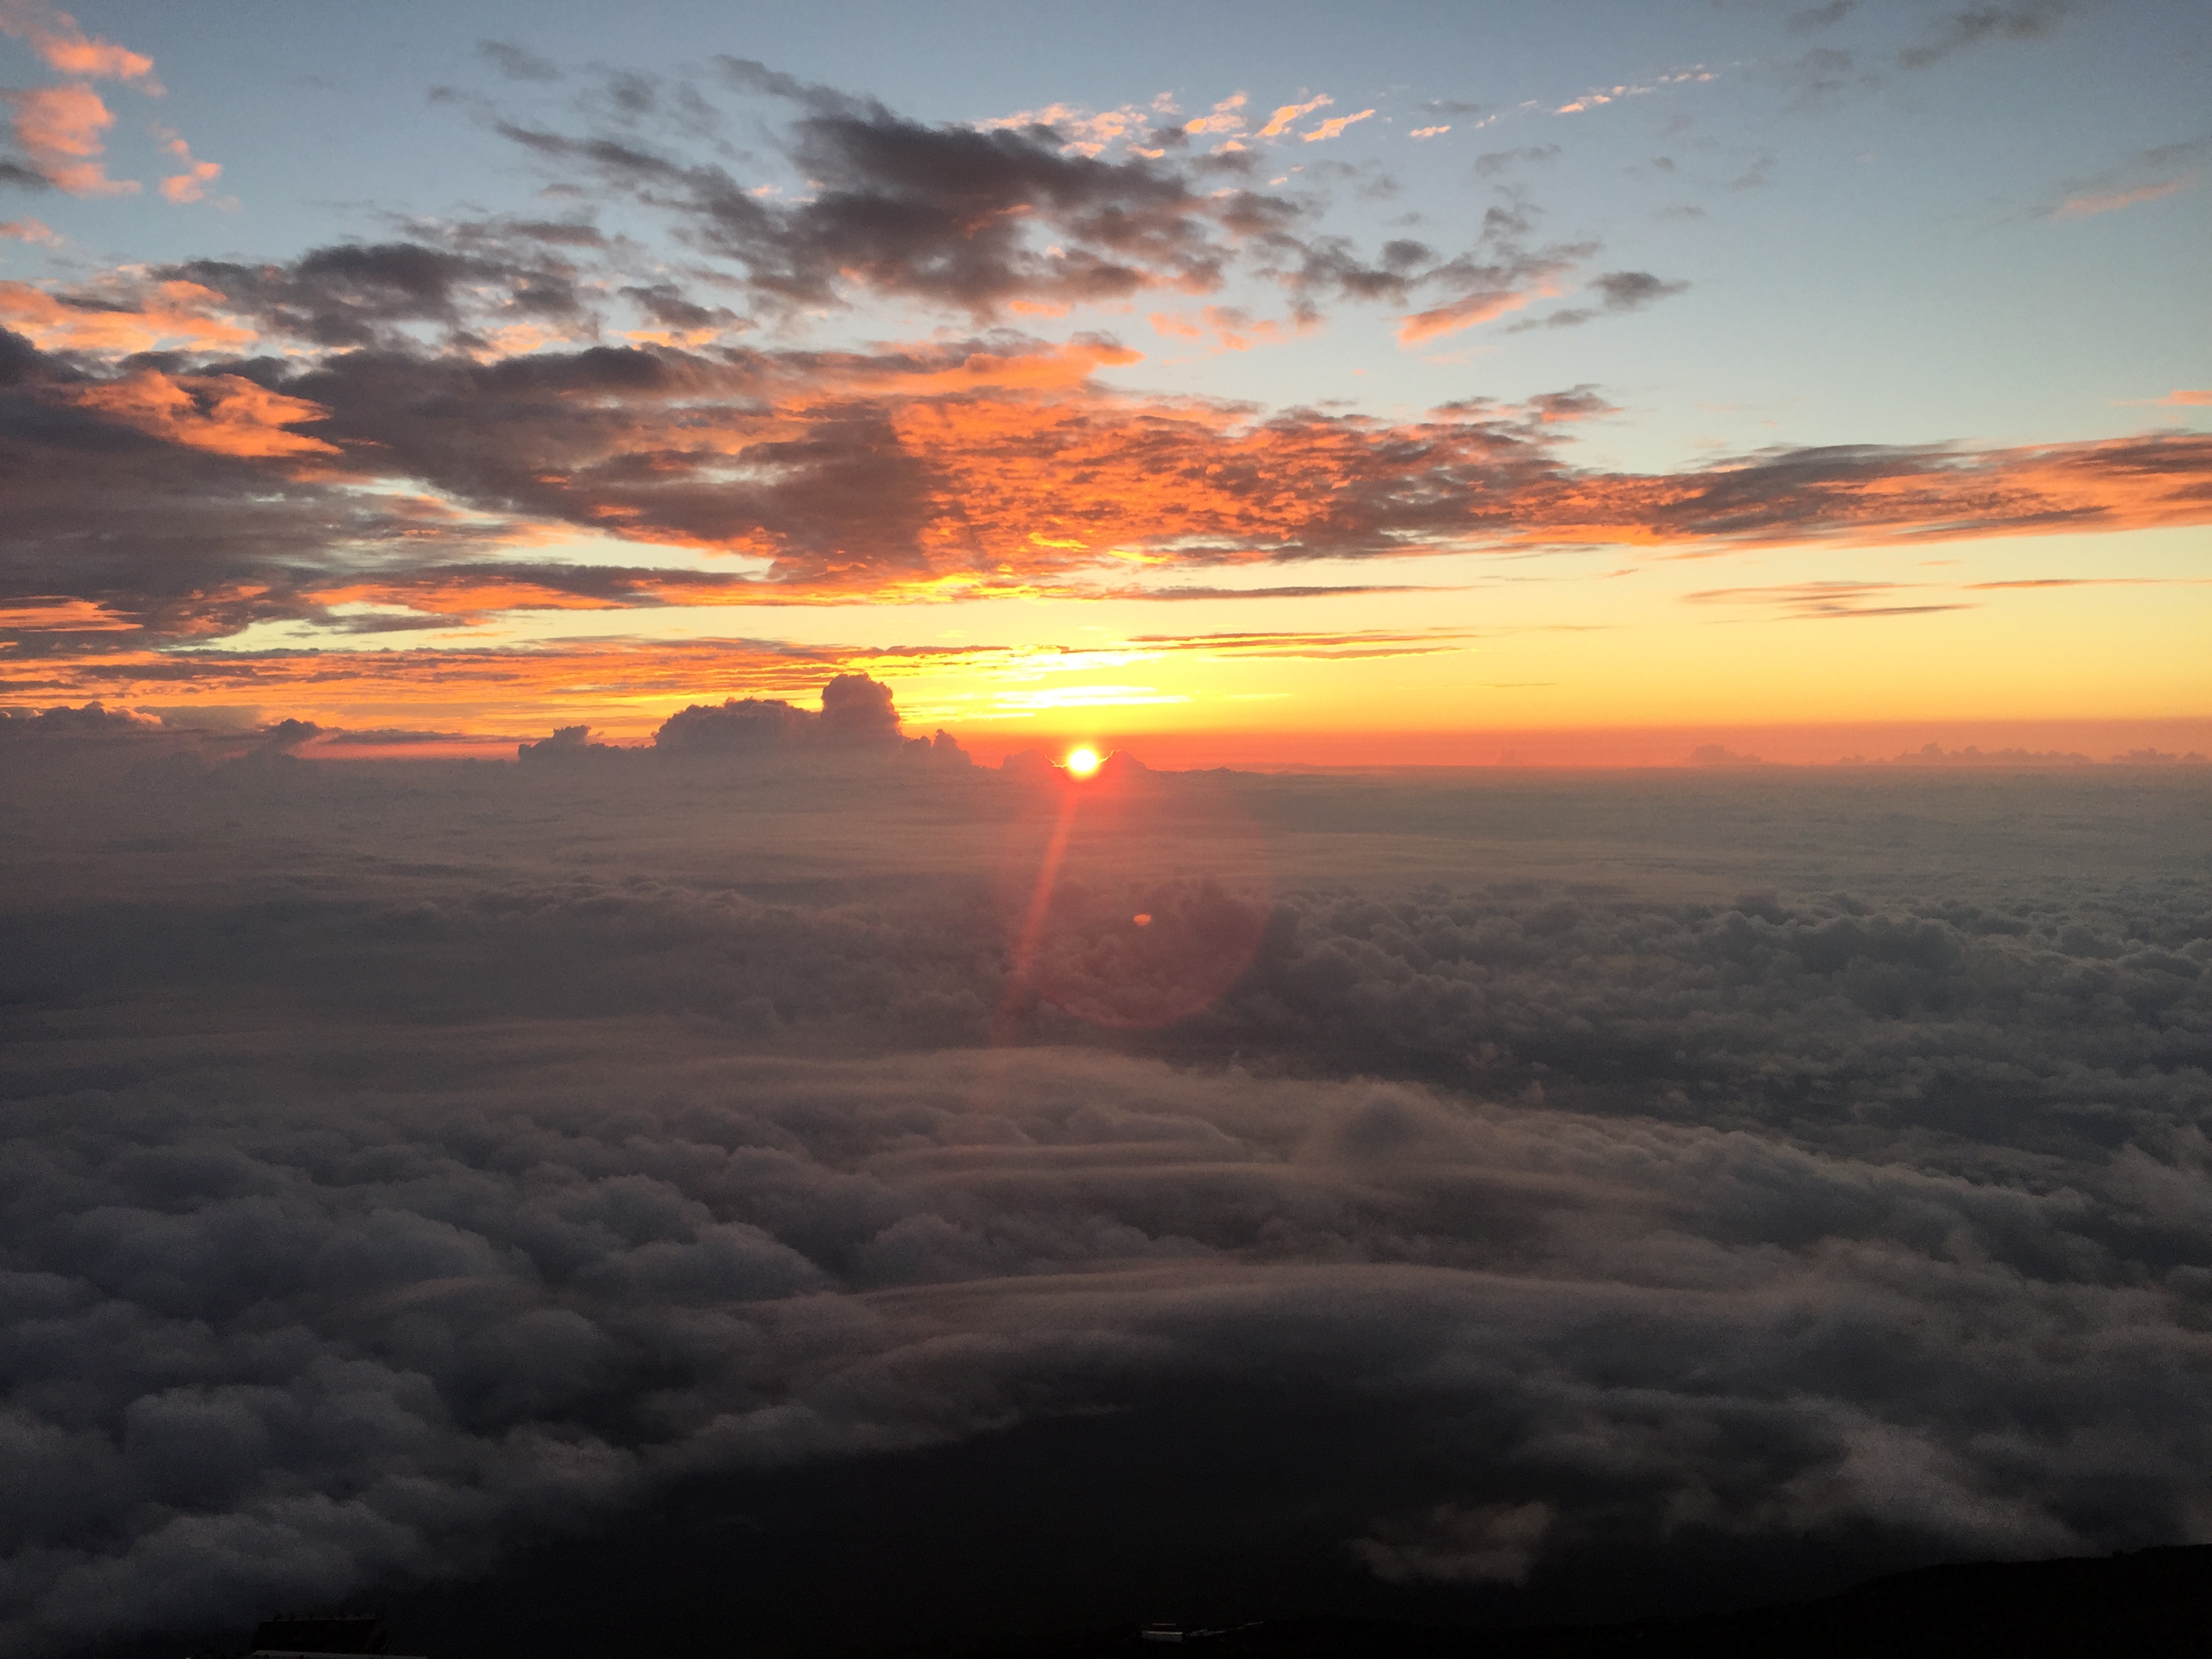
(858, 718)
(856, 713)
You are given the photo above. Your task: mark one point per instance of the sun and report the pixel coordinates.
(1082, 763)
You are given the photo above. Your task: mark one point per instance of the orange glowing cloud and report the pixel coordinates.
(1227, 118)
(507, 690)
(60, 129)
(1088, 132)
(60, 615)
(221, 413)
(928, 473)
(1333, 128)
(1482, 306)
(472, 593)
(626, 680)
(1280, 122)
(1046, 368)
(167, 317)
(974, 471)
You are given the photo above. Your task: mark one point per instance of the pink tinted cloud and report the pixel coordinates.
(1597, 97)
(56, 37)
(2180, 397)
(1087, 132)
(59, 129)
(191, 185)
(2083, 207)
(27, 230)
(1229, 328)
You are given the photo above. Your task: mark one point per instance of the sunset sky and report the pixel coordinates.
(1428, 382)
(925, 828)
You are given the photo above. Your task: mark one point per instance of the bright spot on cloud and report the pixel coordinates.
(1082, 763)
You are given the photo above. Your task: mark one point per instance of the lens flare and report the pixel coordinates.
(1082, 763)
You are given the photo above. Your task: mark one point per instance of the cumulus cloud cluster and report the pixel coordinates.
(407, 1163)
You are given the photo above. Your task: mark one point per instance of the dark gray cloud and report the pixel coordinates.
(407, 1163)
(1985, 24)
(90, 724)
(2147, 175)
(1620, 291)
(1818, 74)
(353, 296)
(1821, 16)
(1490, 164)
(857, 718)
(517, 62)
(162, 537)
(938, 214)
(982, 220)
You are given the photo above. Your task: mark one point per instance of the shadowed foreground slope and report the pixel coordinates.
(2151, 1603)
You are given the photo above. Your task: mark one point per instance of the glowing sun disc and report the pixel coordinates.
(1082, 763)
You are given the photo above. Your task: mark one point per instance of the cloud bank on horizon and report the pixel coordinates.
(408, 1166)
(870, 360)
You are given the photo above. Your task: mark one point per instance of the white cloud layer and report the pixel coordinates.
(408, 1163)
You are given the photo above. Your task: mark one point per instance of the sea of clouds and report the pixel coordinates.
(408, 1163)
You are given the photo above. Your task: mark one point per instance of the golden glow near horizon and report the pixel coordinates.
(1083, 762)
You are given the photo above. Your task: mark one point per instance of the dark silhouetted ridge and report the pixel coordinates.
(2144, 1605)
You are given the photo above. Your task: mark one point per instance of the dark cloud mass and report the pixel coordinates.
(411, 1164)
(157, 501)
(939, 214)
(355, 295)
(1008, 216)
